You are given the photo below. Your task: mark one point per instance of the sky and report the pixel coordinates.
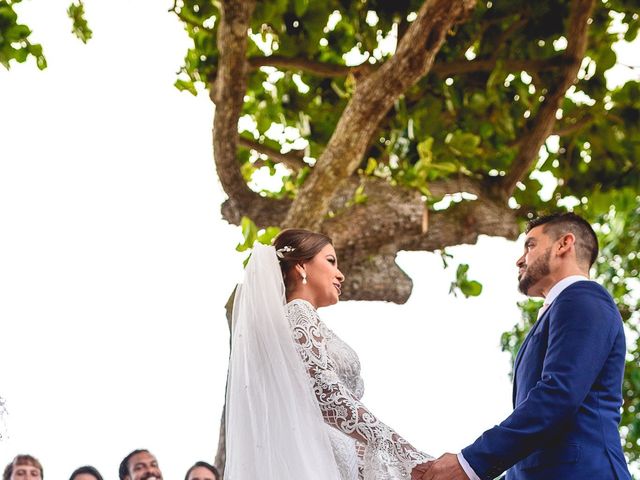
(115, 265)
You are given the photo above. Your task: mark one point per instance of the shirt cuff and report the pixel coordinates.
(467, 468)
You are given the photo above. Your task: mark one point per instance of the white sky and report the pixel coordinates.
(115, 265)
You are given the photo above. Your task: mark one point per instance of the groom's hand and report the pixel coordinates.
(446, 467)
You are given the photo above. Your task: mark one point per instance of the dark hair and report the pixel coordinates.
(22, 460)
(86, 469)
(305, 244)
(123, 471)
(211, 468)
(558, 224)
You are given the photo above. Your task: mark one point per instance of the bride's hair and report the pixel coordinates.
(302, 245)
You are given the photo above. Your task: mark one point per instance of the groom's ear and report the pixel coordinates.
(566, 243)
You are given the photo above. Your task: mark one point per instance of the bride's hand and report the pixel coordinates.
(419, 470)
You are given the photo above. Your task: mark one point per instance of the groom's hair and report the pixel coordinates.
(558, 224)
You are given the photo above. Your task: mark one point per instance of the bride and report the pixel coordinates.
(294, 391)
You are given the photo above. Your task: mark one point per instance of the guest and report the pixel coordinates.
(139, 465)
(86, 473)
(202, 471)
(23, 467)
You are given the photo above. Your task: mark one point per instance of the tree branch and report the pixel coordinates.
(544, 122)
(228, 94)
(373, 97)
(293, 159)
(460, 67)
(442, 69)
(573, 126)
(368, 236)
(321, 69)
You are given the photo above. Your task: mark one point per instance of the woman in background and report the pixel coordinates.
(86, 473)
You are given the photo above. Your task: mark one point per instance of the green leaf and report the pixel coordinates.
(300, 7)
(425, 150)
(249, 234)
(268, 234)
(469, 288)
(186, 85)
(80, 27)
(371, 166)
(463, 143)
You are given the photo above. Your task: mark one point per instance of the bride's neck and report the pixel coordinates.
(300, 295)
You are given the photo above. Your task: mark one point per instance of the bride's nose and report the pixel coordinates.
(340, 276)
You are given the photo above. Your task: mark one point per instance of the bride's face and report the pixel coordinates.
(324, 279)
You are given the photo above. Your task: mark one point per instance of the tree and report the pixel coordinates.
(418, 125)
(376, 111)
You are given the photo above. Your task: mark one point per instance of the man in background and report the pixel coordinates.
(139, 465)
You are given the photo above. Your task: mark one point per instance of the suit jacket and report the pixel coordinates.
(567, 394)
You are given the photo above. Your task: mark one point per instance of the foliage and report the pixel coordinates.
(252, 234)
(15, 45)
(14, 38)
(80, 26)
(469, 288)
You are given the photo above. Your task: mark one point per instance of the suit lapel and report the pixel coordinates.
(521, 352)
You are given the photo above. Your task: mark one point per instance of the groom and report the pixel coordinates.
(567, 375)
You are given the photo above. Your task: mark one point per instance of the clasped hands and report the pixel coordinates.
(446, 467)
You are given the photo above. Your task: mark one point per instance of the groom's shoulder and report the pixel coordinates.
(585, 287)
(588, 296)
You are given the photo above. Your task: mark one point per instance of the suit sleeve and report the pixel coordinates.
(582, 329)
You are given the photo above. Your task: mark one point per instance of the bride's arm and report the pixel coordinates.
(340, 408)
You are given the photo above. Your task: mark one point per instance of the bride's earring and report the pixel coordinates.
(304, 279)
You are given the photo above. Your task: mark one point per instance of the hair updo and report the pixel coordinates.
(305, 244)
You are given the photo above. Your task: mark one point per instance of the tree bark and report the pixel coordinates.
(227, 92)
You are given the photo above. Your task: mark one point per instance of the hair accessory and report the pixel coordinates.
(286, 249)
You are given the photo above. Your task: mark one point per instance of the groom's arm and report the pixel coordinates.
(582, 328)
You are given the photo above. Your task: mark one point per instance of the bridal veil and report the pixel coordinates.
(274, 426)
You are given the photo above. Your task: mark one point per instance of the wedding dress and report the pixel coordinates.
(293, 394)
(364, 447)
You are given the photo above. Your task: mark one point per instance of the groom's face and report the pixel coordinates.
(533, 265)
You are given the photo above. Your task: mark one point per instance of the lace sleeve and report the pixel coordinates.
(387, 455)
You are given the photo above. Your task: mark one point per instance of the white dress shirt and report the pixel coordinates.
(548, 300)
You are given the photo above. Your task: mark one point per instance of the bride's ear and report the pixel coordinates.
(301, 272)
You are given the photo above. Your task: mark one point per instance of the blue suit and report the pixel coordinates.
(566, 396)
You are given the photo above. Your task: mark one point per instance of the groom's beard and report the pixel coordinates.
(535, 272)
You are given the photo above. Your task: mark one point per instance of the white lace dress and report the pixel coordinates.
(364, 447)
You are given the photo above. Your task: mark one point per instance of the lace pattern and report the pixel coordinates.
(378, 452)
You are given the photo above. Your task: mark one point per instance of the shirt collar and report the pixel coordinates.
(561, 285)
